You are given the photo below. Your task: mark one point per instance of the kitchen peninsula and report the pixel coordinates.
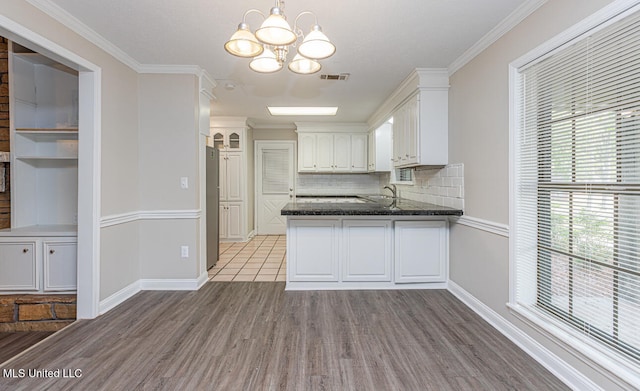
(366, 242)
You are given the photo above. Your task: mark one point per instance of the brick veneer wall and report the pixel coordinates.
(36, 312)
(5, 197)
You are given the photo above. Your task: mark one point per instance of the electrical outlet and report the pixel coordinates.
(184, 182)
(184, 251)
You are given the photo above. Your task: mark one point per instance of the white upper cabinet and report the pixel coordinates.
(227, 139)
(332, 148)
(419, 107)
(380, 148)
(359, 146)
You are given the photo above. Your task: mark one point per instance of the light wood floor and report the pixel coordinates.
(256, 336)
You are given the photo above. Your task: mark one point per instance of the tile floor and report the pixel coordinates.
(262, 258)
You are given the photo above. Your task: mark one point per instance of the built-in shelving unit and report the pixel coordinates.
(39, 250)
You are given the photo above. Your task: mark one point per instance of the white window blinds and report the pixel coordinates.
(577, 216)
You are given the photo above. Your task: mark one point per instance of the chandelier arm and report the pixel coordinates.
(296, 28)
(244, 17)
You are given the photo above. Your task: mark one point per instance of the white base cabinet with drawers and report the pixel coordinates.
(359, 252)
(38, 264)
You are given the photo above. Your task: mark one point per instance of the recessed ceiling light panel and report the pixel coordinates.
(302, 110)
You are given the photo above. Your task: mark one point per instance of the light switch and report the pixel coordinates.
(184, 251)
(184, 182)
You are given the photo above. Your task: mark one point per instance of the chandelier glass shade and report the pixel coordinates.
(269, 47)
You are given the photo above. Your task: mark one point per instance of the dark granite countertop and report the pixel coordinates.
(365, 205)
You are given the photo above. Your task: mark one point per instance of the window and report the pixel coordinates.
(404, 175)
(577, 186)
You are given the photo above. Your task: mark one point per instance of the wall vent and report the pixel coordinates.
(342, 76)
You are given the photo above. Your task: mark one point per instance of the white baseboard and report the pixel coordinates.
(119, 297)
(561, 369)
(166, 284)
(204, 277)
(151, 285)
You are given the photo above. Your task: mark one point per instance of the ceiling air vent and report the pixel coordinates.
(342, 76)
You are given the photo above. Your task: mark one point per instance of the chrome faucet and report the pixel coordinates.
(393, 189)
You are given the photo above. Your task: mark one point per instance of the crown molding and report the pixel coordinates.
(75, 25)
(517, 16)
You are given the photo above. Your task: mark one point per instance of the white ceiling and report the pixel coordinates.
(378, 42)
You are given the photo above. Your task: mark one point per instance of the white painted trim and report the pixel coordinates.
(119, 297)
(89, 168)
(188, 214)
(157, 284)
(597, 21)
(495, 33)
(614, 367)
(172, 69)
(169, 284)
(68, 20)
(484, 225)
(123, 218)
(561, 369)
(202, 279)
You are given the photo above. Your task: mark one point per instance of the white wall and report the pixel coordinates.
(479, 138)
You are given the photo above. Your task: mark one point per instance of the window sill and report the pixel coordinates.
(613, 366)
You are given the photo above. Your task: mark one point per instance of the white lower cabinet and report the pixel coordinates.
(60, 263)
(313, 250)
(421, 249)
(18, 266)
(366, 254)
(41, 264)
(231, 220)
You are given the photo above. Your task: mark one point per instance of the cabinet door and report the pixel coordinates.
(222, 179)
(234, 139)
(366, 252)
(359, 152)
(398, 136)
(234, 177)
(421, 250)
(371, 161)
(342, 152)
(234, 218)
(306, 152)
(312, 250)
(324, 152)
(412, 132)
(223, 216)
(60, 262)
(218, 139)
(18, 266)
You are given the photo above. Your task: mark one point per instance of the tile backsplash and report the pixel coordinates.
(439, 186)
(339, 184)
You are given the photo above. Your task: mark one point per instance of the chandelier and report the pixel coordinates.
(269, 47)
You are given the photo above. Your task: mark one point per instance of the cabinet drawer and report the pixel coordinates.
(60, 262)
(18, 266)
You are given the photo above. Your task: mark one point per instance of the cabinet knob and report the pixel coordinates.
(52, 251)
(407, 155)
(25, 250)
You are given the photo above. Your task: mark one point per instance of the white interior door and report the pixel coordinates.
(275, 184)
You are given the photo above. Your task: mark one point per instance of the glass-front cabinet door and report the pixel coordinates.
(227, 139)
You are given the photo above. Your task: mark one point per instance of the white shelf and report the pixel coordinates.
(66, 230)
(26, 158)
